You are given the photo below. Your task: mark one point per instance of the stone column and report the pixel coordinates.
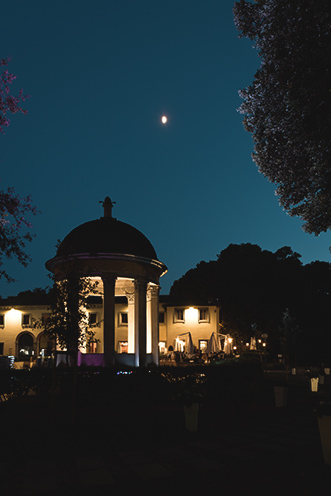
(131, 318)
(109, 319)
(140, 323)
(154, 318)
(148, 321)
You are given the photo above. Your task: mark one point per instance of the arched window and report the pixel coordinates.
(45, 345)
(25, 346)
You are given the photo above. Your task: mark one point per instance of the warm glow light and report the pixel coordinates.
(179, 344)
(162, 347)
(263, 344)
(259, 340)
(191, 314)
(164, 119)
(13, 311)
(13, 316)
(247, 344)
(230, 340)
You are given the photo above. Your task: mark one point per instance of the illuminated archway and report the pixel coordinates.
(44, 345)
(25, 345)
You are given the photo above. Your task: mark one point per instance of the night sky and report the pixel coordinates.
(101, 74)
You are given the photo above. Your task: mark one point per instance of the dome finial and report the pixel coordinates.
(107, 206)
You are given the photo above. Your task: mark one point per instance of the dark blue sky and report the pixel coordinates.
(100, 75)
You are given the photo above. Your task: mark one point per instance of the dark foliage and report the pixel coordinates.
(37, 296)
(255, 287)
(131, 387)
(67, 324)
(14, 228)
(14, 225)
(288, 106)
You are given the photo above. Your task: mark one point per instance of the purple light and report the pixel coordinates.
(91, 359)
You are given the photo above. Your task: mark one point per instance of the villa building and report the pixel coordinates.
(133, 324)
(177, 322)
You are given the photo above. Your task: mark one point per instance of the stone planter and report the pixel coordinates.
(324, 426)
(280, 396)
(314, 384)
(191, 417)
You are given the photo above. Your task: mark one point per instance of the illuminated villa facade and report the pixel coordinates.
(132, 323)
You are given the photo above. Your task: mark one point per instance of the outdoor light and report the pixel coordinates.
(230, 340)
(13, 315)
(259, 340)
(191, 313)
(264, 344)
(247, 344)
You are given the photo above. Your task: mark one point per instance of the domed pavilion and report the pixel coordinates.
(124, 263)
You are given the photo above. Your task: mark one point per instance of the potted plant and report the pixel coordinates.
(280, 395)
(191, 396)
(313, 376)
(324, 425)
(321, 375)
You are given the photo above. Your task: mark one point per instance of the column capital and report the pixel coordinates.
(130, 297)
(108, 279)
(154, 291)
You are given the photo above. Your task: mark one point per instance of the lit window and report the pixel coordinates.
(161, 317)
(2, 320)
(203, 345)
(92, 319)
(162, 347)
(203, 315)
(93, 346)
(25, 320)
(123, 347)
(123, 318)
(179, 315)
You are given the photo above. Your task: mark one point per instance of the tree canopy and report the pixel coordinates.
(37, 296)
(14, 226)
(68, 324)
(8, 102)
(288, 106)
(255, 288)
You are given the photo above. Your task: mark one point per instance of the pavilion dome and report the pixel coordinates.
(104, 236)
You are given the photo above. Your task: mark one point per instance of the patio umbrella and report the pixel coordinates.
(212, 344)
(219, 342)
(227, 345)
(189, 348)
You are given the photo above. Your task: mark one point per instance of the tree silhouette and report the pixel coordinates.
(287, 108)
(14, 227)
(256, 287)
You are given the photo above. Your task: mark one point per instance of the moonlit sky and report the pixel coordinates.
(101, 75)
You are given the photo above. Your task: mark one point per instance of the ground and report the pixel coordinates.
(249, 448)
